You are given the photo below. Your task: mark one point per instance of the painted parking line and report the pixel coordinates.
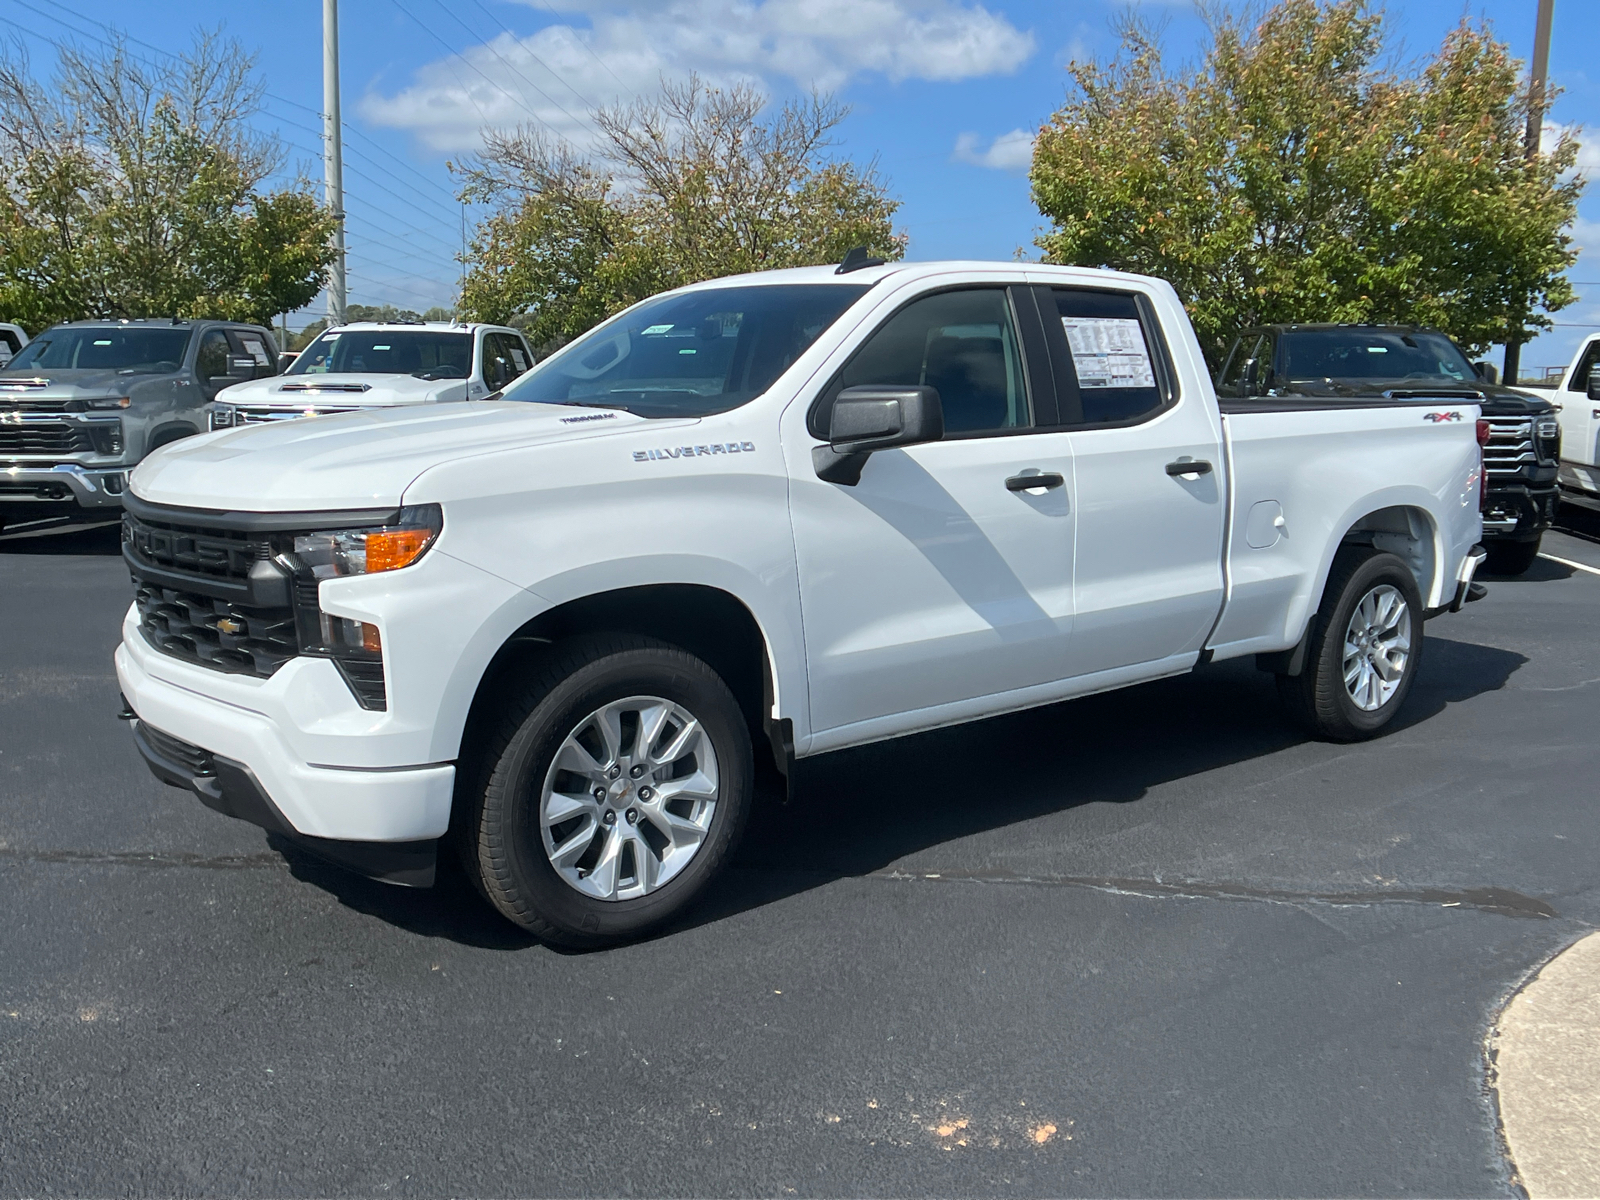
(1567, 562)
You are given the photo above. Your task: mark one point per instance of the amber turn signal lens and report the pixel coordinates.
(370, 640)
(390, 550)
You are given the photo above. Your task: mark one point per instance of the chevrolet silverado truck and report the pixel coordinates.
(82, 403)
(1521, 437)
(781, 513)
(1576, 397)
(380, 364)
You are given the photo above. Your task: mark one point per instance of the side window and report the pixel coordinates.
(1111, 354)
(521, 356)
(1230, 380)
(496, 363)
(211, 360)
(10, 345)
(1580, 378)
(254, 347)
(964, 344)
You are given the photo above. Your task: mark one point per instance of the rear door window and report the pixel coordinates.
(254, 347)
(1115, 353)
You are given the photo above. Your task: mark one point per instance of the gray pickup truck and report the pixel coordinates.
(82, 403)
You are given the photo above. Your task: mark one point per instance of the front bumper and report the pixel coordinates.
(352, 804)
(61, 486)
(1518, 513)
(232, 789)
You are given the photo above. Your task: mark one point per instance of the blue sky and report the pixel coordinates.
(944, 94)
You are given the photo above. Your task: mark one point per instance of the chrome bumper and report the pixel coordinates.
(1469, 568)
(55, 483)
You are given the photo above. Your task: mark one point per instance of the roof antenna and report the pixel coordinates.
(856, 259)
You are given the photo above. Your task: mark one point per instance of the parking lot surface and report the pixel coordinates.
(1153, 942)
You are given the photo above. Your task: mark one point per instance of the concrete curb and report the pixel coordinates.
(1546, 1055)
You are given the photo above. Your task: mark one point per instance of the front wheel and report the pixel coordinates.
(1512, 558)
(1365, 648)
(615, 789)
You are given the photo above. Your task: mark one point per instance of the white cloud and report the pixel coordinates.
(1009, 152)
(631, 44)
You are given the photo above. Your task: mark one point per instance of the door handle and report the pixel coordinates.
(1189, 466)
(1026, 483)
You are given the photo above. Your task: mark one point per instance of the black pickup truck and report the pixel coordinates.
(1520, 436)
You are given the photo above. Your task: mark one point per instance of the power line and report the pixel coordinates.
(489, 46)
(539, 4)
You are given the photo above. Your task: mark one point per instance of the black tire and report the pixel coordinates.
(501, 839)
(1317, 697)
(1511, 558)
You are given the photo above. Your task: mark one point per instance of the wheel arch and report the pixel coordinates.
(714, 625)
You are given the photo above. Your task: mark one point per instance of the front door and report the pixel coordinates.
(931, 581)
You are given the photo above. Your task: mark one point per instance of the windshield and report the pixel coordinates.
(116, 348)
(1330, 354)
(692, 354)
(425, 354)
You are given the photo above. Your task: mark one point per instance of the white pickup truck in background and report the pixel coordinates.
(793, 511)
(381, 364)
(1577, 400)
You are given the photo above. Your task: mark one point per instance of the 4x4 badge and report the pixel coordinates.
(1436, 417)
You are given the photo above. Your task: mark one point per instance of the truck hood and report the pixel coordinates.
(49, 389)
(346, 391)
(354, 460)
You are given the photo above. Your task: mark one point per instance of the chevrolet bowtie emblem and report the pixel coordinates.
(230, 625)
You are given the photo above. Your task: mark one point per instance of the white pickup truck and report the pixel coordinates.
(781, 513)
(1577, 400)
(381, 364)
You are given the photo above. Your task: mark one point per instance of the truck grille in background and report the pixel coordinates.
(217, 633)
(45, 437)
(1510, 447)
(209, 552)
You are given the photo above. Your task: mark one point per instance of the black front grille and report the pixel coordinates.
(217, 633)
(45, 437)
(196, 761)
(212, 553)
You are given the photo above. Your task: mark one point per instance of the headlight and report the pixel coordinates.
(222, 418)
(338, 552)
(110, 402)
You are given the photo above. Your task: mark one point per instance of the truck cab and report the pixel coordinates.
(1324, 361)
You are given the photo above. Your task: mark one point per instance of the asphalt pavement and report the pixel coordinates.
(1147, 943)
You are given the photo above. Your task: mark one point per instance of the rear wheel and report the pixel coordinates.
(615, 788)
(1512, 558)
(1365, 648)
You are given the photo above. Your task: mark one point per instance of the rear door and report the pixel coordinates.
(1580, 425)
(1148, 579)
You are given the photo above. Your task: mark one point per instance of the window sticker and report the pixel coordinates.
(256, 349)
(1109, 352)
(657, 328)
(516, 357)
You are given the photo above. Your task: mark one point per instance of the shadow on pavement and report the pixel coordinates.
(857, 811)
(82, 540)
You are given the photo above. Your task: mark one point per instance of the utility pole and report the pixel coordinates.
(1538, 77)
(333, 156)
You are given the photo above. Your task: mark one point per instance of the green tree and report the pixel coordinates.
(129, 190)
(1294, 176)
(692, 185)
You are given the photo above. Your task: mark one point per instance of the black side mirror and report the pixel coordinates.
(1594, 383)
(1486, 372)
(866, 419)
